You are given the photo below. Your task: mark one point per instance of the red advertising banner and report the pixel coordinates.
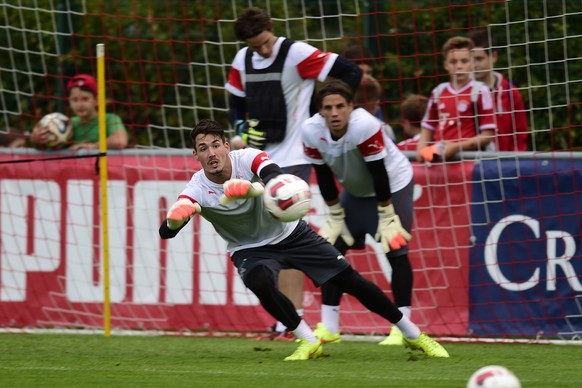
(51, 257)
(439, 253)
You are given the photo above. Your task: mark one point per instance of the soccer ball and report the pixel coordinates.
(59, 129)
(287, 197)
(493, 376)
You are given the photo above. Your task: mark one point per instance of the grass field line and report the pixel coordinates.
(345, 337)
(226, 372)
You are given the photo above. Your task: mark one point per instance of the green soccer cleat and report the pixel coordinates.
(306, 351)
(427, 345)
(395, 338)
(325, 336)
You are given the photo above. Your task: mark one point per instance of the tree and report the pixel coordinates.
(167, 62)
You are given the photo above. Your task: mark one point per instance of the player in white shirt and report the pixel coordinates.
(377, 195)
(228, 193)
(271, 82)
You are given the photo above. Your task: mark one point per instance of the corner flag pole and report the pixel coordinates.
(103, 176)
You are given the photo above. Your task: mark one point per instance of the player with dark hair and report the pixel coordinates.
(260, 245)
(511, 119)
(271, 83)
(346, 143)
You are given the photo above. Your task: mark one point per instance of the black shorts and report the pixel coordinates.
(304, 250)
(303, 171)
(362, 217)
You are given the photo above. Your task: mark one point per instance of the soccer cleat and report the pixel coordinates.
(274, 335)
(286, 336)
(395, 338)
(325, 335)
(306, 350)
(427, 345)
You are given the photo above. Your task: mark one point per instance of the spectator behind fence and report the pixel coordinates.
(368, 97)
(412, 111)
(511, 119)
(460, 115)
(364, 58)
(271, 82)
(82, 93)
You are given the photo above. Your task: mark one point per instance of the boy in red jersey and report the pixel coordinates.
(510, 115)
(460, 115)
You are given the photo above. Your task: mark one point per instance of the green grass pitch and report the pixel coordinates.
(69, 360)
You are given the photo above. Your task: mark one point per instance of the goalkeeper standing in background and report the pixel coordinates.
(271, 83)
(348, 143)
(227, 192)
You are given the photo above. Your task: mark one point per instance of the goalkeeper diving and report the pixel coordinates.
(227, 192)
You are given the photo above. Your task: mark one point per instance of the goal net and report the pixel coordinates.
(496, 247)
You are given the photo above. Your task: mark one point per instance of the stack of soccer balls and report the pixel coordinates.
(493, 376)
(287, 197)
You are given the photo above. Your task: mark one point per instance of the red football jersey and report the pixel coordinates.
(408, 144)
(453, 115)
(512, 129)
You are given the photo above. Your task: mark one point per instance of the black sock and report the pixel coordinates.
(368, 293)
(262, 283)
(401, 280)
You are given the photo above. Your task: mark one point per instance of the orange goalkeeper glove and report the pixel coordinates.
(335, 226)
(432, 153)
(391, 234)
(240, 188)
(180, 212)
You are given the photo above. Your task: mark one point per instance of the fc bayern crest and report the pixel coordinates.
(462, 106)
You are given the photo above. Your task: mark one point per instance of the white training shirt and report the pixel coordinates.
(363, 142)
(303, 66)
(243, 223)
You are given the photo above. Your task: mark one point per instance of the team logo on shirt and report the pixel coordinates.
(242, 269)
(372, 146)
(462, 106)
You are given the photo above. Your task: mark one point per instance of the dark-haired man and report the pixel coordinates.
(227, 192)
(271, 83)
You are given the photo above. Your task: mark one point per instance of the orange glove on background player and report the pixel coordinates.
(391, 234)
(433, 152)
